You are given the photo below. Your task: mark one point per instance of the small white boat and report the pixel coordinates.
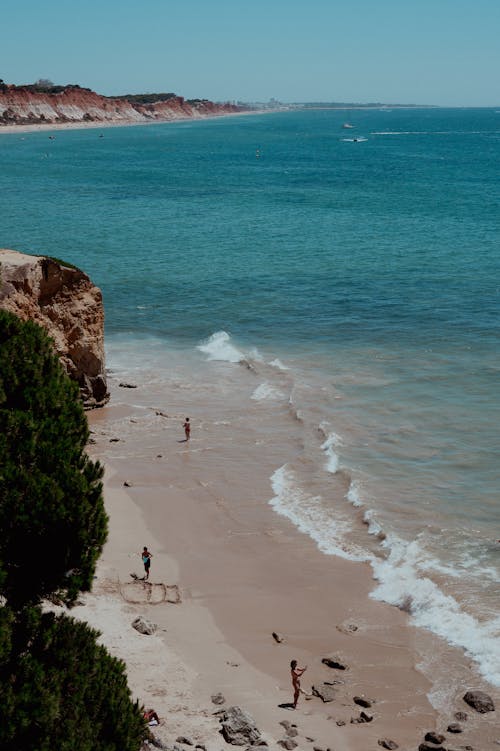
(347, 125)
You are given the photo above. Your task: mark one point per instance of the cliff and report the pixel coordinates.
(64, 301)
(24, 105)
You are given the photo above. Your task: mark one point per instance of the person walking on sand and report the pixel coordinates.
(146, 559)
(296, 673)
(187, 428)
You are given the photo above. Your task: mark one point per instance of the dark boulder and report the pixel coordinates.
(335, 663)
(480, 701)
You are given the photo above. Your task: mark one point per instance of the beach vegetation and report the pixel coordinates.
(66, 264)
(51, 507)
(60, 689)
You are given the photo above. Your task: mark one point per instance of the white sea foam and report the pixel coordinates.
(219, 347)
(399, 583)
(310, 516)
(374, 527)
(278, 364)
(266, 391)
(353, 494)
(332, 462)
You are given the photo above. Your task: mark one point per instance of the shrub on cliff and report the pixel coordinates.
(60, 690)
(51, 508)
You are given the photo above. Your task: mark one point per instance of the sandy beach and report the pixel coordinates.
(100, 125)
(242, 573)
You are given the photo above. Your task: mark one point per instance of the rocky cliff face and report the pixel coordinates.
(21, 106)
(65, 302)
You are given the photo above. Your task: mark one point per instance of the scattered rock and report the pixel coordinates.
(362, 702)
(201, 746)
(311, 740)
(363, 717)
(144, 626)
(340, 723)
(434, 737)
(480, 701)
(318, 748)
(114, 440)
(430, 747)
(292, 732)
(123, 385)
(387, 743)
(238, 727)
(325, 692)
(277, 637)
(461, 716)
(455, 728)
(335, 662)
(127, 484)
(233, 664)
(347, 628)
(286, 724)
(288, 743)
(183, 739)
(157, 743)
(218, 698)
(159, 456)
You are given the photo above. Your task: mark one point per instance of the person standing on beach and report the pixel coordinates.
(296, 673)
(146, 559)
(187, 428)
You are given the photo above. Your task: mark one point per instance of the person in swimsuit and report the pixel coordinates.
(146, 559)
(187, 428)
(296, 673)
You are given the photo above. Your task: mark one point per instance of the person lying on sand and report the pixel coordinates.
(296, 673)
(151, 717)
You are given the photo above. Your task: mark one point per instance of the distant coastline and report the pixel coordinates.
(46, 106)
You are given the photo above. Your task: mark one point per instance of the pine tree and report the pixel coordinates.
(60, 690)
(51, 508)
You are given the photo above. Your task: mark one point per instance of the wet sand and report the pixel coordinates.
(244, 572)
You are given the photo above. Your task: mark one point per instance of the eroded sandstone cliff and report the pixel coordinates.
(20, 105)
(69, 306)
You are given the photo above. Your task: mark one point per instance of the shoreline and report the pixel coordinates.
(246, 572)
(81, 125)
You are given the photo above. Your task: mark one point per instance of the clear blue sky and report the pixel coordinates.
(420, 51)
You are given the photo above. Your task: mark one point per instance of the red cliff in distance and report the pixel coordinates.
(29, 105)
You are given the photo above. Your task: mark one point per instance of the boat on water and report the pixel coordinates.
(347, 125)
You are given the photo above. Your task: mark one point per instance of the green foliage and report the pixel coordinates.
(62, 263)
(51, 508)
(60, 690)
(145, 98)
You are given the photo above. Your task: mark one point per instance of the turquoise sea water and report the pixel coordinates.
(370, 268)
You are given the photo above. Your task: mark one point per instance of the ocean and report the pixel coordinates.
(332, 290)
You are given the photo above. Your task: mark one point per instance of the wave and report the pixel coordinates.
(219, 347)
(331, 440)
(278, 364)
(310, 516)
(266, 391)
(400, 584)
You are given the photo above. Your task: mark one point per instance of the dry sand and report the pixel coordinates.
(242, 573)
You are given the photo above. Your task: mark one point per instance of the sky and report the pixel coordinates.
(440, 52)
